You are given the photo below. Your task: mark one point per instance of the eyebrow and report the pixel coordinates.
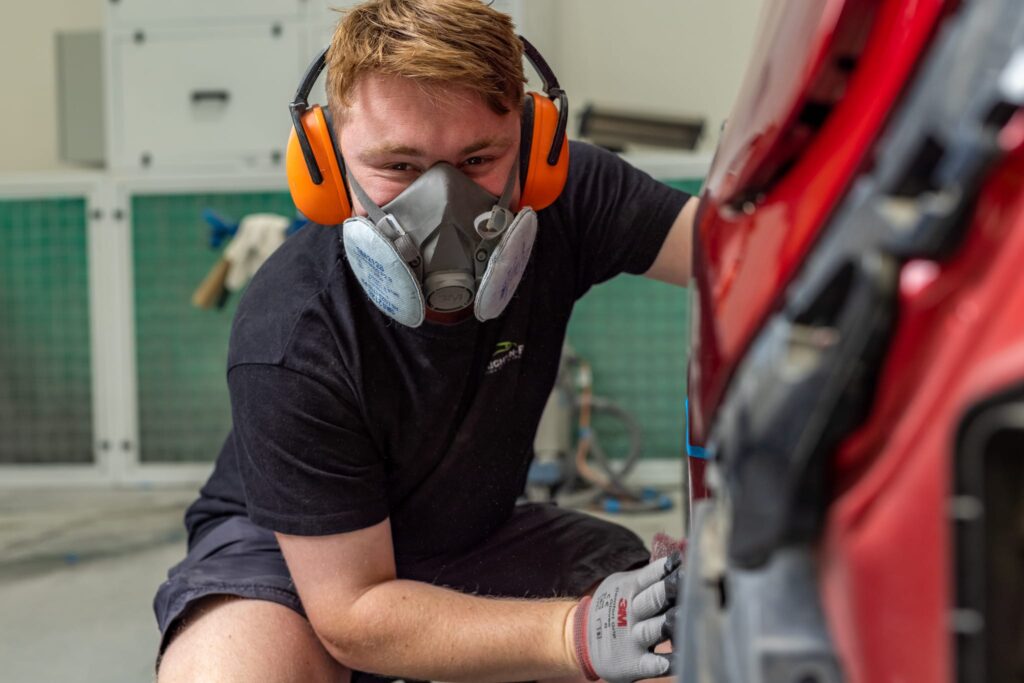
(484, 143)
(406, 150)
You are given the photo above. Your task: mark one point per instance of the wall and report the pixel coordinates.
(667, 56)
(676, 57)
(28, 125)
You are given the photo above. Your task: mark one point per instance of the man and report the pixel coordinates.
(374, 465)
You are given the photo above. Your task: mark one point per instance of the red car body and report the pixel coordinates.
(825, 80)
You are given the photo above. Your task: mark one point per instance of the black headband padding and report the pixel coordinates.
(299, 105)
(554, 92)
(540, 66)
(309, 78)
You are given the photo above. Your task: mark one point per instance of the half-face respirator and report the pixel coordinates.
(443, 243)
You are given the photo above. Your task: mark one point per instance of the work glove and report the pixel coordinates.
(258, 236)
(616, 630)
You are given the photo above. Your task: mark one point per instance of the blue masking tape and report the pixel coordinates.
(691, 450)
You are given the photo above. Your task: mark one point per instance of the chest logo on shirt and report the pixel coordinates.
(505, 353)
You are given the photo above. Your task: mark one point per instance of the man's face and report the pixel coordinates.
(396, 129)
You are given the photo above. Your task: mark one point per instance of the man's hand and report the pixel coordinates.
(616, 630)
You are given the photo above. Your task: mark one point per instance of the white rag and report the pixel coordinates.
(259, 234)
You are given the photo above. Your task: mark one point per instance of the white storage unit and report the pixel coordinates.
(212, 96)
(202, 85)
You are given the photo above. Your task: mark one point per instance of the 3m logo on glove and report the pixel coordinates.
(615, 631)
(623, 613)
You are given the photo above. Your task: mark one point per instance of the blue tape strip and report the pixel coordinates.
(691, 450)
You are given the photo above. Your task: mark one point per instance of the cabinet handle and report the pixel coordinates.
(210, 96)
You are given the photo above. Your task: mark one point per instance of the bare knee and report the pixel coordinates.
(226, 638)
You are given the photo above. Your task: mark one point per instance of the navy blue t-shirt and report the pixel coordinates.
(342, 417)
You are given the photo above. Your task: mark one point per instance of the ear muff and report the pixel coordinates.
(313, 162)
(543, 147)
(316, 171)
(327, 202)
(541, 181)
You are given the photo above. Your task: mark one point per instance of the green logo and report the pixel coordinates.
(505, 353)
(503, 347)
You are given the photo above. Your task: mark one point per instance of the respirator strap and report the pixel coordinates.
(375, 212)
(490, 225)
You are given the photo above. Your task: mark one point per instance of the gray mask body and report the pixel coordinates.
(444, 243)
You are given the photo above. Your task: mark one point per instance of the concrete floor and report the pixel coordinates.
(78, 570)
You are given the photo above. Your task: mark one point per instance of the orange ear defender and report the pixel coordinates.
(313, 162)
(543, 147)
(316, 167)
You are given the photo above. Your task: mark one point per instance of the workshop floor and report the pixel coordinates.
(78, 569)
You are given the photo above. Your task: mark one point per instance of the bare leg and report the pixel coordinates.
(226, 638)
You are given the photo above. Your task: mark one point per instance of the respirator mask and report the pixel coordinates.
(444, 243)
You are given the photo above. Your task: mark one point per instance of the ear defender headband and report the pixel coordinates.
(316, 168)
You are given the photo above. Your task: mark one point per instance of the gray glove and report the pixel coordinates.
(616, 630)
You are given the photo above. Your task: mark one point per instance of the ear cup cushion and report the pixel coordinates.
(541, 182)
(339, 158)
(525, 143)
(326, 203)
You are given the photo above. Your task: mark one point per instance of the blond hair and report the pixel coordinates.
(448, 42)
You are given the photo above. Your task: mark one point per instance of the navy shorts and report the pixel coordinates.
(542, 551)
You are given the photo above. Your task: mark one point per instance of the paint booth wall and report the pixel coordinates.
(670, 57)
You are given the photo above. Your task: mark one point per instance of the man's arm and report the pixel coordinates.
(371, 621)
(672, 264)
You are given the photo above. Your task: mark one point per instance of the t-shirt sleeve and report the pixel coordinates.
(307, 463)
(620, 215)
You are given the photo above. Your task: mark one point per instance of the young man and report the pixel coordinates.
(373, 466)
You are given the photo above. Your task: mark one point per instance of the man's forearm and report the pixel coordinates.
(426, 632)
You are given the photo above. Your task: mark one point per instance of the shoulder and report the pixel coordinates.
(601, 184)
(293, 283)
(597, 175)
(585, 157)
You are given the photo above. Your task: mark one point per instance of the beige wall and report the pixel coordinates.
(667, 56)
(660, 56)
(28, 124)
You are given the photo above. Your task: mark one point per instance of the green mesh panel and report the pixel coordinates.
(45, 378)
(184, 413)
(635, 334)
(691, 185)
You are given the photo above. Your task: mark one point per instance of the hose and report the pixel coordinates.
(608, 479)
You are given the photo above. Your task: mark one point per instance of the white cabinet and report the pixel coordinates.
(201, 84)
(209, 97)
